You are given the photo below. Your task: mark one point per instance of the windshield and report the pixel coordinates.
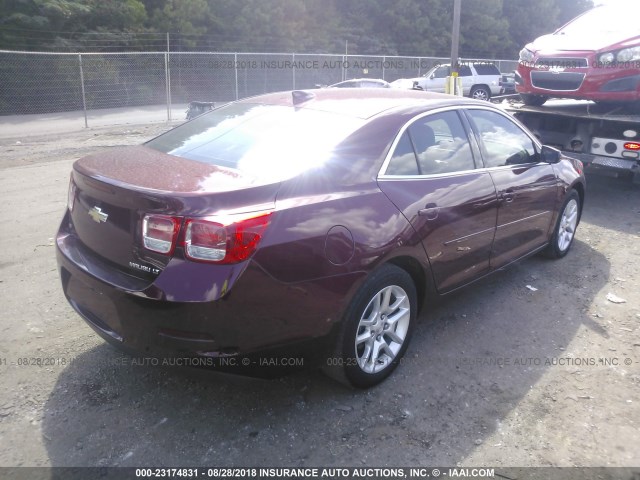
(603, 20)
(264, 141)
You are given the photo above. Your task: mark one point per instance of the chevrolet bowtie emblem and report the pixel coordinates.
(98, 215)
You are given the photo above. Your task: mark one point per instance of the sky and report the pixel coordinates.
(612, 2)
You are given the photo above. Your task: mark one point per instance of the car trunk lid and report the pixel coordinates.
(117, 188)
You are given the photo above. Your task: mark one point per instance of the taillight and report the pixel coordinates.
(224, 239)
(71, 195)
(159, 233)
(205, 240)
(632, 146)
(579, 166)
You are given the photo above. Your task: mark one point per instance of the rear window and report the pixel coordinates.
(464, 71)
(486, 69)
(263, 141)
(370, 84)
(348, 84)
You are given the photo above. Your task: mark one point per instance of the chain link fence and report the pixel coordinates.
(36, 83)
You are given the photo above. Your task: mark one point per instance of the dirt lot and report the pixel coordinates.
(499, 375)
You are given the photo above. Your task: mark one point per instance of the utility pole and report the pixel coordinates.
(346, 59)
(455, 42)
(167, 72)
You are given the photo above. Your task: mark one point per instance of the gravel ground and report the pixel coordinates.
(497, 375)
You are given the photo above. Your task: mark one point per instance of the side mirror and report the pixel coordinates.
(433, 75)
(550, 154)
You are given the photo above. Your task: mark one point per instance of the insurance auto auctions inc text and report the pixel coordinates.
(373, 473)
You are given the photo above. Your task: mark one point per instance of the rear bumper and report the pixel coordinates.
(257, 326)
(495, 89)
(612, 166)
(595, 163)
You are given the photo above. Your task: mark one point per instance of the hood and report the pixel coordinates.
(559, 42)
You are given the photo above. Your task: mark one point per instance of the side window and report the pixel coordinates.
(403, 161)
(486, 69)
(442, 72)
(464, 71)
(503, 142)
(441, 144)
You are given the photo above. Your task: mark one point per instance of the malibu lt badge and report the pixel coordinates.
(144, 268)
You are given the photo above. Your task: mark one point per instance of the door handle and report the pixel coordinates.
(430, 211)
(508, 195)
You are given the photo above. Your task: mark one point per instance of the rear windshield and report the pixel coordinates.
(264, 141)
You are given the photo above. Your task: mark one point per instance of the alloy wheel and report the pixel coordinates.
(568, 223)
(382, 329)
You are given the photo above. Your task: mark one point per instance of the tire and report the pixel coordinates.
(565, 230)
(480, 92)
(533, 100)
(369, 348)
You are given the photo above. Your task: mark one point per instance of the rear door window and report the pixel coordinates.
(403, 161)
(464, 71)
(434, 144)
(486, 69)
(441, 144)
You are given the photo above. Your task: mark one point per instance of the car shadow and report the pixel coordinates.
(612, 203)
(451, 392)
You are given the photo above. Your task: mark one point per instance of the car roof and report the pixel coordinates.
(378, 80)
(467, 63)
(361, 102)
(359, 80)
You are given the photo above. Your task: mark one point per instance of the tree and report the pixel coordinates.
(27, 24)
(489, 28)
(484, 33)
(189, 18)
(528, 20)
(569, 9)
(69, 24)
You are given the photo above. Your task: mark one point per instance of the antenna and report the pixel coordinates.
(300, 96)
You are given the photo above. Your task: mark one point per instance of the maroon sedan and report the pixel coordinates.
(307, 226)
(596, 56)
